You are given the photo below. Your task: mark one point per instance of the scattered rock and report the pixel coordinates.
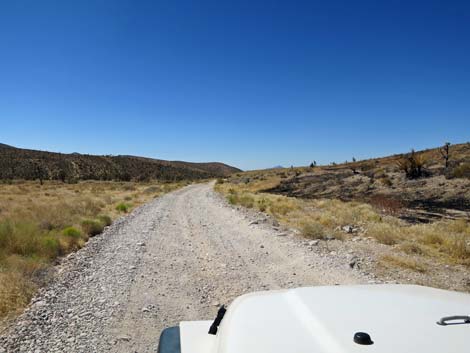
(124, 338)
(354, 262)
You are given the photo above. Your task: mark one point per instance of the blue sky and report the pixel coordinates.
(250, 83)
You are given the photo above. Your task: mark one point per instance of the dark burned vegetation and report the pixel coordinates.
(409, 213)
(419, 186)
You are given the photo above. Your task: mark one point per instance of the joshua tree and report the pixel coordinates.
(444, 150)
(312, 165)
(354, 159)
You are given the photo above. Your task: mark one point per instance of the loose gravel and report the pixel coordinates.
(176, 258)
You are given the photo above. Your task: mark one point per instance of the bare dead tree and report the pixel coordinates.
(444, 150)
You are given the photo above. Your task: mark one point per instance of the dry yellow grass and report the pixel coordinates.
(446, 241)
(38, 223)
(409, 263)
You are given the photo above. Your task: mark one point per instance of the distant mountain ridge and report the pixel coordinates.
(18, 163)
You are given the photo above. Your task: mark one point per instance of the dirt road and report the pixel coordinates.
(176, 258)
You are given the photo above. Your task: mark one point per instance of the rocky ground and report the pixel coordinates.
(176, 258)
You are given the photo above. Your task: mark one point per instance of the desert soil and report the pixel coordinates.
(176, 258)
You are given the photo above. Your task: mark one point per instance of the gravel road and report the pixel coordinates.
(176, 258)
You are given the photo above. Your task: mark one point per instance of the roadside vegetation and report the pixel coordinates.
(40, 223)
(445, 241)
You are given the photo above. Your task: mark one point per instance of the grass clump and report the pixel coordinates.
(92, 227)
(72, 232)
(391, 260)
(385, 233)
(462, 171)
(16, 291)
(106, 220)
(122, 207)
(313, 230)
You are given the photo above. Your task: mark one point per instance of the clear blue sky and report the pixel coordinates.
(250, 83)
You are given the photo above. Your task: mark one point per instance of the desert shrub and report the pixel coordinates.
(129, 187)
(385, 233)
(232, 199)
(122, 207)
(456, 247)
(432, 238)
(262, 204)
(412, 165)
(386, 181)
(22, 238)
(51, 246)
(409, 263)
(72, 232)
(412, 248)
(367, 166)
(6, 233)
(313, 230)
(92, 227)
(26, 265)
(462, 171)
(152, 190)
(387, 204)
(16, 292)
(282, 206)
(246, 201)
(105, 219)
(220, 181)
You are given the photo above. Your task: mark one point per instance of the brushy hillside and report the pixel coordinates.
(416, 186)
(40, 223)
(17, 163)
(409, 227)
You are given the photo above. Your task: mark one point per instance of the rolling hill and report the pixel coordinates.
(17, 163)
(439, 192)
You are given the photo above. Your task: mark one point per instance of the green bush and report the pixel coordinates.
(92, 227)
(232, 199)
(51, 246)
(122, 207)
(105, 219)
(72, 232)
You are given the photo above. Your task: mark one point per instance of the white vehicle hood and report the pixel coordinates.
(398, 318)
